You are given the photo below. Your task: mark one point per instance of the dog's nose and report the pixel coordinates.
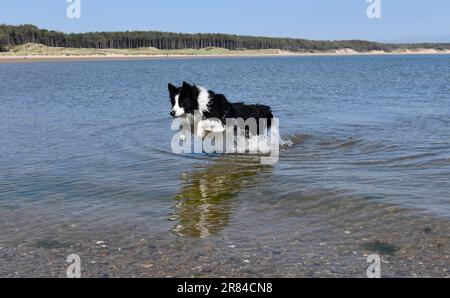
(172, 113)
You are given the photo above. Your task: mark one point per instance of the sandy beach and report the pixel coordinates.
(11, 58)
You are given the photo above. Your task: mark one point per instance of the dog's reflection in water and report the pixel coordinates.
(208, 195)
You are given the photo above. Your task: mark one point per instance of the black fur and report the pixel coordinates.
(173, 91)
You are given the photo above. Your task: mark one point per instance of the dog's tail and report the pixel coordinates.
(264, 112)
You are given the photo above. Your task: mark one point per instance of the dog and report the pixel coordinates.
(214, 110)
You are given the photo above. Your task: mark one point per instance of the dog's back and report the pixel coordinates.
(245, 111)
(221, 108)
(256, 111)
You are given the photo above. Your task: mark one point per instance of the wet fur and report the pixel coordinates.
(189, 98)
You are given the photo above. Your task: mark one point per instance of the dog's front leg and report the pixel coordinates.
(209, 126)
(187, 129)
(200, 130)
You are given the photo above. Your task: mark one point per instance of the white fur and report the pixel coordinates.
(187, 121)
(179, 111)
(213, 126)
(209, 125)
(202, 126)
(203, 100)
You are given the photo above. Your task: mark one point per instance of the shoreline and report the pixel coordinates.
(119, 57)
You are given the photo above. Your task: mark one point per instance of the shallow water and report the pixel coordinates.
(88, 144)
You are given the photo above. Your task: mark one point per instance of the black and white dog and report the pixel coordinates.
(214, 109)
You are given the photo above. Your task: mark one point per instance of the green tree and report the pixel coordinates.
(17, 35)
(3, 41)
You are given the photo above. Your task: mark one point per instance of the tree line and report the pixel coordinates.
(22, 34)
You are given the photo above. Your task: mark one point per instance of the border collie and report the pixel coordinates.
(214, 109)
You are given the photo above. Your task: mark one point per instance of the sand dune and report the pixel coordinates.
(37, 52)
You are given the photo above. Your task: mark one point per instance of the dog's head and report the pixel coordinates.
(183, 99)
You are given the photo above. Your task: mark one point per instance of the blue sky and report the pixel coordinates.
(402, 20)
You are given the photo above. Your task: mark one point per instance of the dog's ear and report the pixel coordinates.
(186, 85)
(172, 89)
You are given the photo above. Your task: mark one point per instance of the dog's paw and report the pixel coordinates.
(200, 133)
(213, 126)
